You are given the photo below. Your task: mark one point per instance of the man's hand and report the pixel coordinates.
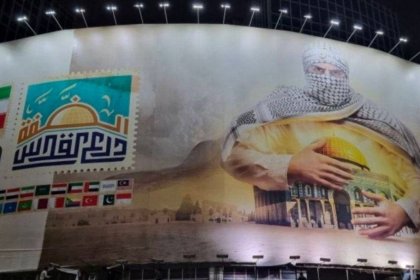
(387, 218)
(312, 167)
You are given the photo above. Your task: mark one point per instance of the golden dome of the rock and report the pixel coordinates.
(343, 150)
(72, 115)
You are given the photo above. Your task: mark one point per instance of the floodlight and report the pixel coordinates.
(81, 11)
(139, 6)
(113, 8)
(225, 7)
(400, 40)
(254, 10)
(281, 11)
(24, 19)
(377, 33)
(333, 22)
(198, 7)
(356, 28)
(307, 17)
(164, 5)
(50, 12)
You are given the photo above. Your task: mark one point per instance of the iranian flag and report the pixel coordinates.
(4, 102)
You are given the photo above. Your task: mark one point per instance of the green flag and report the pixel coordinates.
(25, 205)
(42, 190)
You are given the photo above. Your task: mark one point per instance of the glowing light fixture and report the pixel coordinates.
(139, 7)
(281, 11)
(225, 7)
(333, 23)
(165, 5)
(253, 11)
(198, 7)
(377, 33)
(52, 14)
(82, 11)
(24, 19)
(113, 8)
(401, 40)
(356, 28)
(307, 17)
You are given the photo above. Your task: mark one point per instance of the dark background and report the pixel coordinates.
(407, 12)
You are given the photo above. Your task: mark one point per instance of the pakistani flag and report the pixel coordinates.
(4, 103)
(108, 199)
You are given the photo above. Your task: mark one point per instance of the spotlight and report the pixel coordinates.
(333, 22)
(164, 5)
(356, 28)
(281, 11)
(401, 40)
(377, 33)
(81, 11)
(113, 8)
(139, 7)
(253, 11)
(307, 17)
(198, 7)
(52, 14)
(24, 19)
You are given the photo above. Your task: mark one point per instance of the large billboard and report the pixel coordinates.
(155, 141)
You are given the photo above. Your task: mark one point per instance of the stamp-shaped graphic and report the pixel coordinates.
(77, 124)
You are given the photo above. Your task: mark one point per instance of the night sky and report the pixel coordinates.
(408, 13)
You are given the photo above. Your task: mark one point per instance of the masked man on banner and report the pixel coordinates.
(279, 142)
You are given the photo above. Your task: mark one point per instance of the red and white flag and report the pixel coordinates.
(90, 200)
(123, 198)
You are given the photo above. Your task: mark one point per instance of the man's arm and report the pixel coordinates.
(277, 171)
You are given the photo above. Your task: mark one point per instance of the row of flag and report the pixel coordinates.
(66, 195)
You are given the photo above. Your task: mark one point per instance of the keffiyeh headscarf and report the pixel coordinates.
(324, 93)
